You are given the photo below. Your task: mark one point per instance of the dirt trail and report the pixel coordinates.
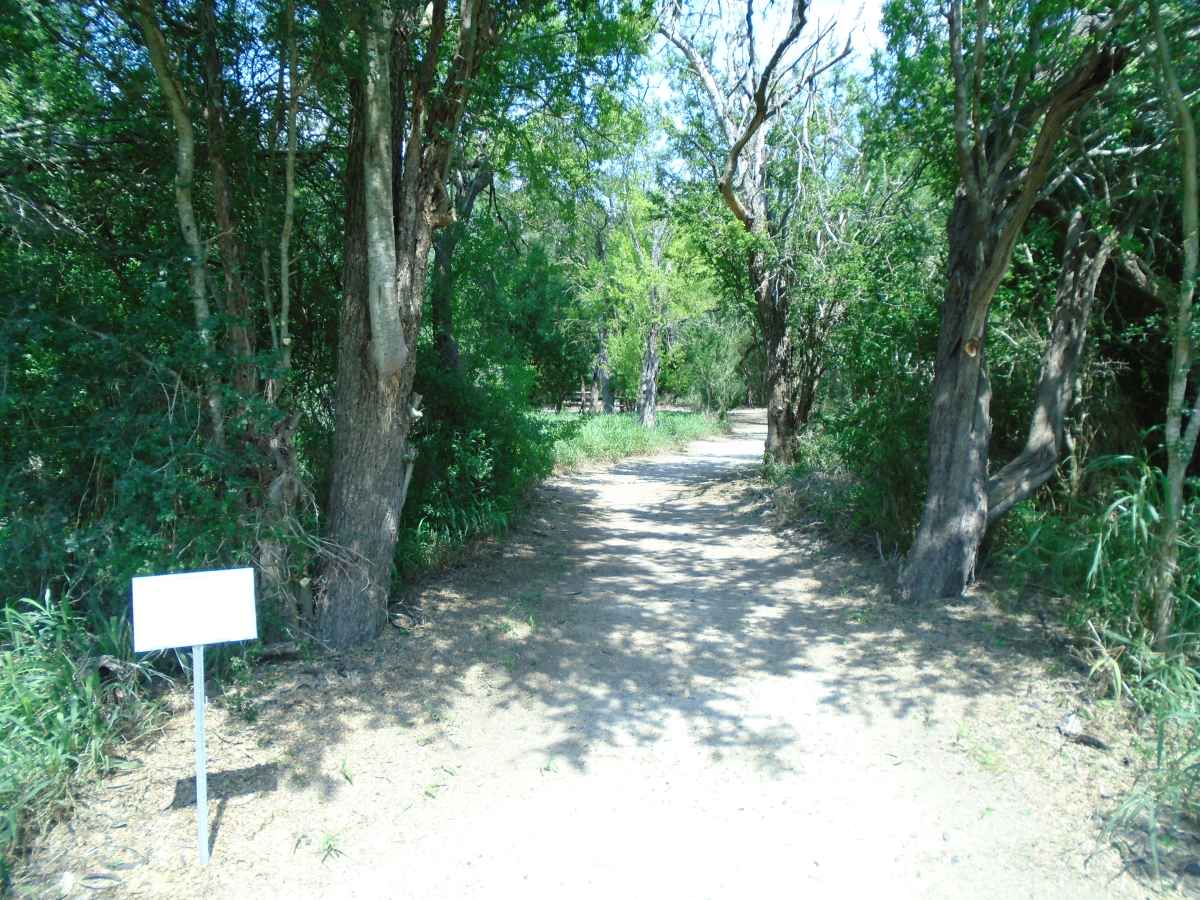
(645, 692)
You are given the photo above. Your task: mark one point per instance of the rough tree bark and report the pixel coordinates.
(1084, 256)
(647, 399)
(995, 196)
(652, 266)
(408, 112)
(771, 312)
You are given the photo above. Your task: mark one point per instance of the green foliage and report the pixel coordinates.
(1096, 556)
(1099, 553)
(65, 703)
(518, 309)
(714, 364)
(479, 449)
(1166, 690)
(872, 424)
(109, 477)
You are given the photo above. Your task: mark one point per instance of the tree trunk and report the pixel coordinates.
(237, 299)
(185, 172)
(1180, 438)
(372, 457)
(283, 331)
(809, 370)
(771, 307)
(404, 127)
(444, 274)
(1083, 259)
(647, 402)
(942, 560)
(602, 387)
(441, 309)
(285, 489)
(993, 202)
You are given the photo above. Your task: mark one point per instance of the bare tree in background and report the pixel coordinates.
(742, 101)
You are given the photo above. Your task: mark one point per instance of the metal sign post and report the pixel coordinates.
(194, 609)
(201, 753)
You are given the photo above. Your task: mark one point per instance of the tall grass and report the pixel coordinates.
(1099, 557)
(587, 439)
(64, 705)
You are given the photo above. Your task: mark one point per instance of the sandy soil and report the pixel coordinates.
(646, 691)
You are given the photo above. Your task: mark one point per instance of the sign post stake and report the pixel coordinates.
(192, 609)
(201, 754)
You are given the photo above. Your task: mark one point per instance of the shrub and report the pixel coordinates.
(479, 449)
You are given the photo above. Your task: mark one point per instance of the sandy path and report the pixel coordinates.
(645, 692)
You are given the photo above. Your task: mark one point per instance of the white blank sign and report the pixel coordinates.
(193, 608)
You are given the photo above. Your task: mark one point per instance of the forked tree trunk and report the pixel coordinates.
(371, 453)
(942, 560)
(404, 126)
(647, 402)
(992, 203)
(1083, 259)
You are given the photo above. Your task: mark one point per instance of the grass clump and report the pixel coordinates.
(597, 439)
(64, 706)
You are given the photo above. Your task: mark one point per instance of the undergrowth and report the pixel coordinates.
(65, 704)
(582, 440)
(859, 497)
(1095, 557)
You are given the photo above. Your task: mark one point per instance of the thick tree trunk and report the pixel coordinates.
(371, 455)
(1083, 259)
(942, 560)
(647, 401)
(994, 199)
(404, 125)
